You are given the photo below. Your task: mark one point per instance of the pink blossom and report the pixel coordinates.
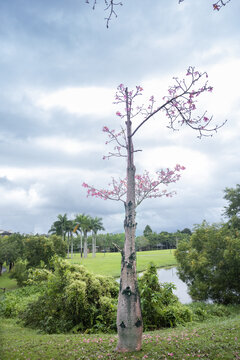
(216, 7)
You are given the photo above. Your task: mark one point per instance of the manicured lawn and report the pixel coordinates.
(109, 263)
(218, 339)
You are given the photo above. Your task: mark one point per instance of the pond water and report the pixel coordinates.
(170, 275)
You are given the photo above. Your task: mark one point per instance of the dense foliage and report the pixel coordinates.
(69, 298)
(210, 263)
(11, 249)
(29, 251)
(74, 300)
(160, 307)
(232, 210)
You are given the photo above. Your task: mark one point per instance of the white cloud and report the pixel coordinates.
(67, 145)
(79, 100)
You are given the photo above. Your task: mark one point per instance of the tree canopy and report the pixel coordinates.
(210, 263)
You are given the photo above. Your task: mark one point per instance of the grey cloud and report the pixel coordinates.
(51, 45)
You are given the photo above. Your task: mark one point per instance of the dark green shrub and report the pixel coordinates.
(174, 315)
(160, 307)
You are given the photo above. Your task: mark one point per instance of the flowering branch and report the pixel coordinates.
(219, 4)
(216, 6)
(111, 6)
(179, 105)
(146, 187)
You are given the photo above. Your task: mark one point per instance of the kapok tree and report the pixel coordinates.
(179, 106)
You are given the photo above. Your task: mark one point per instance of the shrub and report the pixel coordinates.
(74, 300)
(160, 307)
(19, 272)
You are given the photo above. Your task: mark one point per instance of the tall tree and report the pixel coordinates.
(70, 226)
(232, 195)
(179, 106)
(96, 225)
(79, 220)
(232, 210)
(11, 249)
(59, 227)
(86, 227)
(209, 263)
(147, 231)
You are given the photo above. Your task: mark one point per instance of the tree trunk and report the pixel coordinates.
(85, 250)
(71, 245)
(129, 316)
(93, 245)
(68, 246)
(81, 243)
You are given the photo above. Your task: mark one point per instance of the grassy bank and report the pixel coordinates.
(215, 339)
(6, 282)
(109, 263)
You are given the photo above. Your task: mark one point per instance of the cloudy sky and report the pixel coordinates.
(59, 69)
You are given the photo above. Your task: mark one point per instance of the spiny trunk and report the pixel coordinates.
(85, 250)
(129, 316)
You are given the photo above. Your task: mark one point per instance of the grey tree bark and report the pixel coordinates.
(85, 249)
(129, 316)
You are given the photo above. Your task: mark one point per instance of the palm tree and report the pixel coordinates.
(59, 226)
(79, 220)
(86, 228)
(97, 225)
(70, 228)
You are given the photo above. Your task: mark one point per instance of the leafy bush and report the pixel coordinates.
(74, 300)
(160, 307)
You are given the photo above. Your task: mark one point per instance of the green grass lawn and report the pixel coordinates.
(6, 282)
(109, 263)
(212, 340)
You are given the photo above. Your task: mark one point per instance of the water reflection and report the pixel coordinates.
(170, 275)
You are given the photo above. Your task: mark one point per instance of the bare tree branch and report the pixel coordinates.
(110, 8)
